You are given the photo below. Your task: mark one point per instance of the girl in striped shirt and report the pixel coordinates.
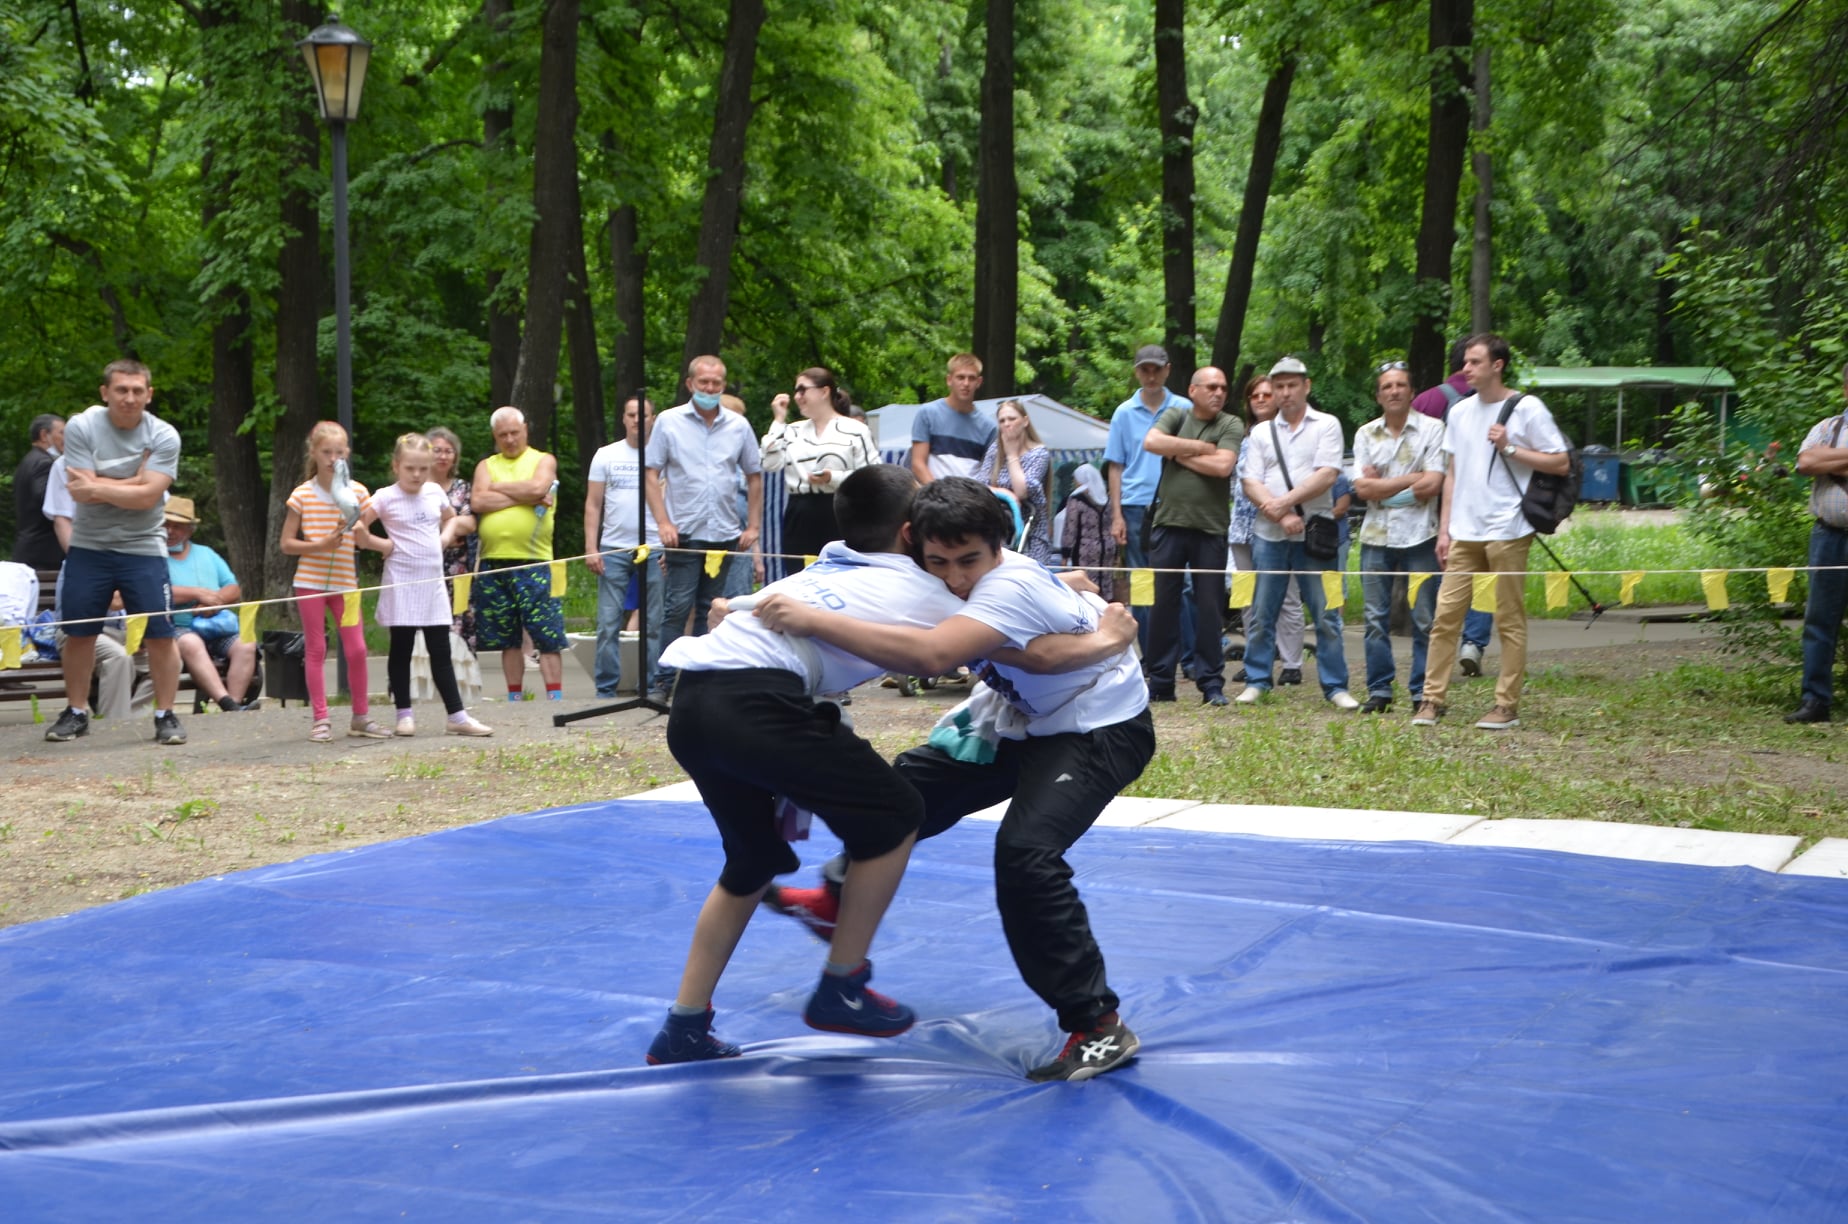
(415, 599)
(312, 531)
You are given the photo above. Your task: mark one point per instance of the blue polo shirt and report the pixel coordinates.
(1129, 424)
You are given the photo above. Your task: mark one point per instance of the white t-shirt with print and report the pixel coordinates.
(617, 467)
(1487, 503)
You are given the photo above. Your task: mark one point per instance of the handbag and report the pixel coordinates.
(1321, 537)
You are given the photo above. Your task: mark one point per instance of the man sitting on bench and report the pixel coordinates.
(204, 588)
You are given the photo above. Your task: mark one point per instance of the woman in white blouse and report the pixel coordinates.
(814, 454)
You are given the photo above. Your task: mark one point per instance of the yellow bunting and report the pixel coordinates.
(247, 623)
(1777, 583)
(1482, 593)
(1556, 589)
(1713, 582)
(1627, 595)
(559, 581)
(641, 553)
(137, 625)
(349, 611)
(810, 559)
(715, 557)
(1141, 588)
(1412, 582)
(1332, 593)
(1244, 589)
(458, 603)
(9, 646)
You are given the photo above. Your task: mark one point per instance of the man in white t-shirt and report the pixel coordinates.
(610, 508)
(1065, 744)
(748, 729)
(1481, 528)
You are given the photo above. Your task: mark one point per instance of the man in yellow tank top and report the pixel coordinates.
(513, 495)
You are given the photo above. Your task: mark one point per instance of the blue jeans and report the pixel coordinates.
(1476, 629)
(1267, 600)
(1822, 616)
(1376, 588)
(612, 593)
(690, 591)
(1135, 558)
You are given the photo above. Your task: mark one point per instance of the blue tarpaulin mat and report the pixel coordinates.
(452, 1028)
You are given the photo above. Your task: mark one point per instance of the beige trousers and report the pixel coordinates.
(1468, 557)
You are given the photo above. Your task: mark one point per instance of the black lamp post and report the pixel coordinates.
(337, 58)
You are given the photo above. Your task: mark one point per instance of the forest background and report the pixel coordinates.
(557, 201)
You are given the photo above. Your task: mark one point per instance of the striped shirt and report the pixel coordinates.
(795, 449)
(324, 571)
(1828, 494)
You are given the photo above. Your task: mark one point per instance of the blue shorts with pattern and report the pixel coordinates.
(510, 600)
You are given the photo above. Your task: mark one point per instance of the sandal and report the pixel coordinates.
(366, 729)
(323, 732)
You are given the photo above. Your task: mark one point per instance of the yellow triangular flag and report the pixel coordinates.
(458, 601)
(559, 581)
(810, 559)
(1556, 585)
(715, 557)
(1777, 583)
(1244, 588)
(247, 623)
(1627, 595)
(1412, 582)
(1713, 582)
(349, 611)
(137, 625)
(1332, 594)
(1141, 588)
(641, 554)
(9, 646)
(1482, 593)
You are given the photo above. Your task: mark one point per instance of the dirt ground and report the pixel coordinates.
(114, 815)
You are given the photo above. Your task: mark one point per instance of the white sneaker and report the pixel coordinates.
(1341, 699)
(407, 726)
(468, 726)
(1249, 695)
(1469, 659)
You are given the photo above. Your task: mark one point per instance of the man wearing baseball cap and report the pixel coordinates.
(1132, 473)
(204, 588)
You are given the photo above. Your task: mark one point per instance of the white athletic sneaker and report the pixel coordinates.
(1249, 695)
(1341, 699)
(1469, 659)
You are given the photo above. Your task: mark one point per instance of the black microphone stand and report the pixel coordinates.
(643, 699)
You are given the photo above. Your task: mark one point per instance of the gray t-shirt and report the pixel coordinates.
(92, 444)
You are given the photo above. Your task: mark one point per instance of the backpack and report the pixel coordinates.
(1452, 397)
(1549, 499)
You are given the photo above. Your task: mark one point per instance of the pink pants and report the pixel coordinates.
(315, 607)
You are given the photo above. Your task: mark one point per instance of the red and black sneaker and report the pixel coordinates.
(815, 908)
(1086, 1054)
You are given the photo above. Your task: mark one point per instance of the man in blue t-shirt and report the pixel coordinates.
(1132, 473)
(1061, 746)
(950, 435)
(204, 590)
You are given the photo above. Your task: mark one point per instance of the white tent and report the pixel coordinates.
(1060, 427)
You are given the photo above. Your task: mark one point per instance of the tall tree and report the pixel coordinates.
(628, 270)
(1451, 30)
(557, 220)
(586, 363)
(497, 148)
(718, 217)
(1177, 187)
(997, 210)
(1265, 143)
(1481, 252)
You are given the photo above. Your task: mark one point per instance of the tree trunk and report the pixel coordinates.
(949, 161)
(1177, 189)
(586, 362)
(718, 215)
(628, 272)
(1482, 251)
(997, 210)
(1265, 144)
(298, 320)
(1451, 30)
(497, 137)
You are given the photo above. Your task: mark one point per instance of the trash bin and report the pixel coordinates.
(1600, 483)
(285, 675)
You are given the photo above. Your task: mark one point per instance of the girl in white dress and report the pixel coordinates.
(415, 597)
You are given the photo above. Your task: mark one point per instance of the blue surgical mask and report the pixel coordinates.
(705, 401)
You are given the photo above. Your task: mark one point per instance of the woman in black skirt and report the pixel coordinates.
(814, 454)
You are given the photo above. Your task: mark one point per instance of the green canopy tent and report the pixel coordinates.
(1700, 380)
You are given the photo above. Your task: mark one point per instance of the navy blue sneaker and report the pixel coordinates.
(845, 1005)
(685, 1039)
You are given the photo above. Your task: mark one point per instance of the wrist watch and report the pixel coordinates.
(1508, 450)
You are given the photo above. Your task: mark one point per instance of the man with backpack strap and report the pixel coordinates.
(1494, 447)
(1824, 459)
(1436, 402)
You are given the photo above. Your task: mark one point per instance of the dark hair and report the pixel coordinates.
(822, 376)
(956, 508)
(872, 504)
(1457, 353)
(1498, 348)
(42, 424)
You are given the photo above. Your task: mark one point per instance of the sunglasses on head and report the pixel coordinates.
(1384, 366)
